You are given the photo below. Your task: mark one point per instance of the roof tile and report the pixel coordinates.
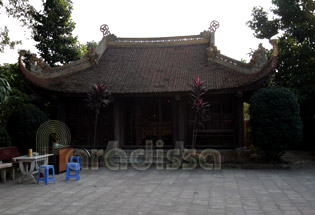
(150, 69)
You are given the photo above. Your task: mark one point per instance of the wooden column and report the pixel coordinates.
(239, 120)
(160, 119)
(181, 120)
(122, 123)
(138, 123)
(175, 120)
(61, 111)
(117, 122)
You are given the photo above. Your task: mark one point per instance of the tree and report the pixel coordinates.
(294, 24)
(4, 89)
(52, 29)
(84, 49)
(4, 138)
(199, 107)
(275, 121)
(22, 127)
(97, 98)
(18, 96)
(20, 10)
(90, 45)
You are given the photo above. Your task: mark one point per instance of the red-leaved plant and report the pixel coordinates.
(97, 98)
(199, 107)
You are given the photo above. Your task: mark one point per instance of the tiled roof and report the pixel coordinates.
(151, 69)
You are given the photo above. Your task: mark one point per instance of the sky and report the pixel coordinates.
(148, 18)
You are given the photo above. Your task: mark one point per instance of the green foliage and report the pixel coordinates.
(296, 71)
(4, 138)
(84, 49)
(16, 100)
(18, 9)
(263, 27)
(4, 89)
(5, 39)
(91, 45)
(52, 29)
(21, 10)
(246, 110)
(295, 19)
(22, 127)
(13, 76)
(275, 120)
(18, 95)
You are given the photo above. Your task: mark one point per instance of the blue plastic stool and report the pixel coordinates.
(76, 159)
(46, 177)
(73, 167)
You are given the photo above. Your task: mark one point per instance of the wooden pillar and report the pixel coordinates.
(160, 119)
(122, 123)
(117, 122)
(175, 120)
(138, 123)
(181, 120)
(61, 111)
(239, 119)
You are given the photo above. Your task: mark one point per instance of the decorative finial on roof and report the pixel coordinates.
(259, 57)
(105, 30)
(214, 25)
(275, 47)
(22, 52)
(38, 65)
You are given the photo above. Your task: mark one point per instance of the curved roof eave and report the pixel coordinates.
(58, 80)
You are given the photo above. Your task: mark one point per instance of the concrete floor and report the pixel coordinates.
(228, 191)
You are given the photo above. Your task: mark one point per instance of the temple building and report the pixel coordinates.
(149, 79)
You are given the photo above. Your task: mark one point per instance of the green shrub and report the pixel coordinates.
(22, 127)
(275, 121)
(4, 138)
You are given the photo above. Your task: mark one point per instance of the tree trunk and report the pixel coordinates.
(194, 137)
(95, 126)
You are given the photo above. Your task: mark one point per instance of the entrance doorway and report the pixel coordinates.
(149, 119)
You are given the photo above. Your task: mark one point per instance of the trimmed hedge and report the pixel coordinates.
(275, 121)
(4, 138)
(22, 127)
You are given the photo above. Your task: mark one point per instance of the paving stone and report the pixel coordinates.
(229, 191)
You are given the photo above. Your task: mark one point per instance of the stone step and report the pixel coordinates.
(142, 159)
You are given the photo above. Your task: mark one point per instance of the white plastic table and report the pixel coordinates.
(3, 167)
(27, 165)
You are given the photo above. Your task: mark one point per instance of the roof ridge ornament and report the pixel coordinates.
(93, 56)
(259, 57)
(212, 51)
(38, 64)
(105, 30)
(214, 25)
(275, 47)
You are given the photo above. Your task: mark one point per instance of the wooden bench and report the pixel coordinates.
(6, 155)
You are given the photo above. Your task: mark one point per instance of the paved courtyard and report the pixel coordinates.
(229, 191)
